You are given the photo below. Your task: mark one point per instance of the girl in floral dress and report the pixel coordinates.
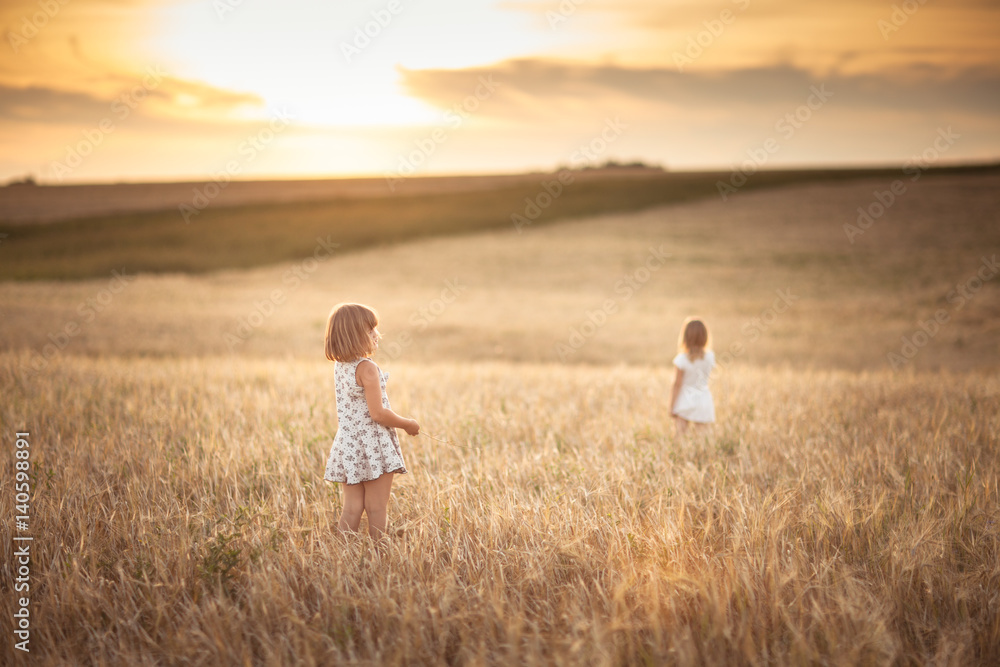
(365, 452)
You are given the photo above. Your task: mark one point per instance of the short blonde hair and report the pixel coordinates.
(694, 338)
(347, 332)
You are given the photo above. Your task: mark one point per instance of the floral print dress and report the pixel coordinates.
(362, 450)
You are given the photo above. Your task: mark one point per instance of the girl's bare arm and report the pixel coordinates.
(367, 376)
(676, 389)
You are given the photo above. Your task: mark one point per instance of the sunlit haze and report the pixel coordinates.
(136, 90)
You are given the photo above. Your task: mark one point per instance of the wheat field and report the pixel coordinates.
(841, 512)
(832, 518)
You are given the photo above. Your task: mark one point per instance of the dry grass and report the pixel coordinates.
(835, 518)
(842, 514)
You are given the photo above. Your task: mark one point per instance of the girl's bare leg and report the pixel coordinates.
(680, 425)
(377, 502)
(354, 505)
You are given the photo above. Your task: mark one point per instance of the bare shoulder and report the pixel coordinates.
(366, 372)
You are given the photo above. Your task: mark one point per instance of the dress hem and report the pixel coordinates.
(397, 471)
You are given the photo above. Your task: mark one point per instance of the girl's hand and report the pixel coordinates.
(412, 427)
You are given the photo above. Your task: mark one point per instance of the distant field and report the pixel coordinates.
(279, 227)
(526, 297)
(30, 205)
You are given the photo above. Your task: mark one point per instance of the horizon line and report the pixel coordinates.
(28, 180)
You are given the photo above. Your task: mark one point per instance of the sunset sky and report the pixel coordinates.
(138, 90)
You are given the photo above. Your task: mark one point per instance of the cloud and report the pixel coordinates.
(672, 15)
(36, 103)
(172, 97)
(209, 97)
(530, 87)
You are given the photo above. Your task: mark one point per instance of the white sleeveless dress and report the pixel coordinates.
(362, 450)
(694, 401)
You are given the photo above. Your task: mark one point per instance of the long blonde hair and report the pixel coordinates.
(694, 338)
(347, 332)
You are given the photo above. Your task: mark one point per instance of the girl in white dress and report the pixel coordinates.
(690, 399)
(365, 452)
